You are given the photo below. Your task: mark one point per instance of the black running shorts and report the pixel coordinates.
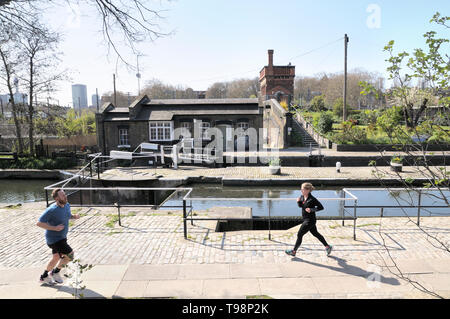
(60, 247)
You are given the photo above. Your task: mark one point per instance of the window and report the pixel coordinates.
(205, 126)
(123, 136)
(243, 125)
(161, 131)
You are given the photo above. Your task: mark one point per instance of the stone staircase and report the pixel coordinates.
(307, 139)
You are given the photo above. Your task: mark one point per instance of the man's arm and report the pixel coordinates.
(50, 227)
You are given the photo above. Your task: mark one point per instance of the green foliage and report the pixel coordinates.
(389, 120)
(39, 163)
(397, 159)
(350, 134)
(275, 161)
(74, 124)
(338, 107)
(75, 270)
(325, 123)
(317, 104)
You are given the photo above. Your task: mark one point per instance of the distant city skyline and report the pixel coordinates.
(79, 96)
(206, 48)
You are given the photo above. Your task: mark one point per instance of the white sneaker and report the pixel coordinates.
(57, 277)
(47, 280)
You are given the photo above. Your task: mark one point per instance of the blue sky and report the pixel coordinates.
(220, 40)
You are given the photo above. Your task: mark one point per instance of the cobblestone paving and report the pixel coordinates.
(156, 237)
(252, 172)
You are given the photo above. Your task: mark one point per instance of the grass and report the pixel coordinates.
(258, 297)
(334, 226)
(12, 206)
(114, 232)
(113, 219)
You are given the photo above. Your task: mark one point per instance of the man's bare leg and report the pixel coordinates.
(53, 262)
(65, 259)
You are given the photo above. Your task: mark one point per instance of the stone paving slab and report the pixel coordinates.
(256, 271)
(152, 272)
(174, 288)
(227, 288)
(252, 173)
(131, 289)
(149, 257)
(271, 286)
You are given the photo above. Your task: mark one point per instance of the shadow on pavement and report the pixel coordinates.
(351, 270)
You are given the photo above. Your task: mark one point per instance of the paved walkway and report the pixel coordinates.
(260, 172)
(148, 257)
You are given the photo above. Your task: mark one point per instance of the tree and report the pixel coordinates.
(130, 21)
(9, 69)
(38, 49)
(435, 179)
(156, 89)
(431, 67)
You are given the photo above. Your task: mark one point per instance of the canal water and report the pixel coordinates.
(328, 197)
(19, 191)
(15, 191)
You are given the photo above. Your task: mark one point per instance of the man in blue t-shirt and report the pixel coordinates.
(55, 221)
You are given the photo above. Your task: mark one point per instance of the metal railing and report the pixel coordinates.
(347, 212)
(187, 214)
(117, 204)
(419, 205)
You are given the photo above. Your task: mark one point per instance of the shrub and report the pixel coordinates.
(36, 163)
(338, 107)
(350, 134)
(325, 123)
(318, 103)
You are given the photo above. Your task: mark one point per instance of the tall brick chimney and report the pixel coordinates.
(270, 57)
(276, 80)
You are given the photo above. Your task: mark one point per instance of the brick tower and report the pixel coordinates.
(277, 81)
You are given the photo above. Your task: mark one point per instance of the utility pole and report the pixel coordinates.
(79, 104)
(344, 108)
(114, 84)
(96, 94)
(138, 75)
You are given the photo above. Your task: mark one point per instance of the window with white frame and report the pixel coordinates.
(243, 126)
(161, 131)
(205, 127)
(123, 137)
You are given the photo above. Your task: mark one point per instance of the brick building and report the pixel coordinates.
(154, 120)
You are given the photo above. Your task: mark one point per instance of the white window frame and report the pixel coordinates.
(204, 129)
(121, 144)
(157, 125)
(244, 126)
(241, 124)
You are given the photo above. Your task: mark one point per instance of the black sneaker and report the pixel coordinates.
(290, 252)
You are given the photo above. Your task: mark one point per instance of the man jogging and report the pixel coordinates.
(55, 221)
(309, 205)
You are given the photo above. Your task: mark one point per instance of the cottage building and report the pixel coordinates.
(156, 120)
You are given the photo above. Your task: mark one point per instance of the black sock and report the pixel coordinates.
(56, 270)
(45, 274)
